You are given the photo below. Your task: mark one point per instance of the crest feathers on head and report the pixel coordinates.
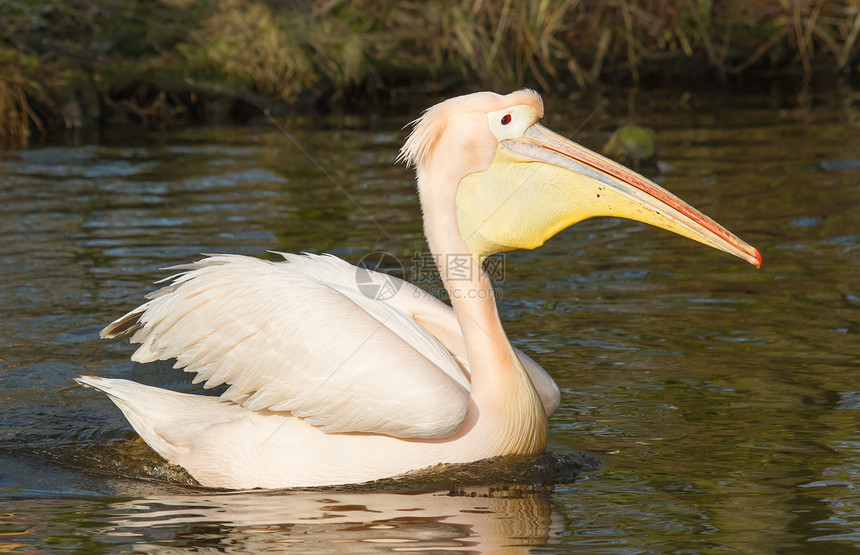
(427, 129)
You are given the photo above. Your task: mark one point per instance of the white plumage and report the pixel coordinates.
(261, 327)
(306, 355)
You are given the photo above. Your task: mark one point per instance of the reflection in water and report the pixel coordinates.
(477, 520)
(257, 522)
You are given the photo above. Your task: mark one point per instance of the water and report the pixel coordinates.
(722, 400)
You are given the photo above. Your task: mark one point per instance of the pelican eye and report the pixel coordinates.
(510, 122)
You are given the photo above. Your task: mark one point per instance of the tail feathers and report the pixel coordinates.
(168, 421)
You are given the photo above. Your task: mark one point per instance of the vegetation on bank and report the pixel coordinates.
(78, 63)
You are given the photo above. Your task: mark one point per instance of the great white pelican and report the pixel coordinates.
(330, 386)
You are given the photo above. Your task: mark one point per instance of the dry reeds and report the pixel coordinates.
(339, 44)
(140, 50)
(15, 112)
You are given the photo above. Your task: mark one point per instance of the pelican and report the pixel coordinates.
(330, 386)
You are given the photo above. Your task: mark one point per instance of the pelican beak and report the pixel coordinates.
(541, 183)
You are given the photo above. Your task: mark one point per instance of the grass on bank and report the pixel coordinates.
(84, 62)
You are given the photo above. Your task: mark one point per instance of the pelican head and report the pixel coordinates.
(512, 183)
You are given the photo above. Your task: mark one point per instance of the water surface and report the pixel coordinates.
(722, 400)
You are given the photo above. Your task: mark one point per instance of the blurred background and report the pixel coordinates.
(84, 64)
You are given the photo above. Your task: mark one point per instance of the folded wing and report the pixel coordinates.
(286, 338)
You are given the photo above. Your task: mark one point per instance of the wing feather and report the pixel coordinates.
(297, 336)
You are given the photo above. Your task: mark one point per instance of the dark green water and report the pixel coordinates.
(724, 400)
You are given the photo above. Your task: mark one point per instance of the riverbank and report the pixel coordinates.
(87, 64)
